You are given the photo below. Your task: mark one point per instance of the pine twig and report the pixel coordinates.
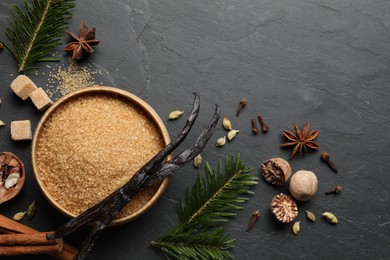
(35, 32)
(210, 201)
(217, 195)
(214, 244)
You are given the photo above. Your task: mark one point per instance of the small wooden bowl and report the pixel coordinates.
(6, 195)
(76, 96)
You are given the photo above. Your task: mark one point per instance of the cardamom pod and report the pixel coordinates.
(232, 134)
(310, 215)
(31, 210)
(296, 227)
(227, 124)
(198, 161)
(19, 216)
(11, 180)
(175, 114)
(221, 141)
(330, 217)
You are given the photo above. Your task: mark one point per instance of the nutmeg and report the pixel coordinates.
(284, 208)
(303, 185)
(276, 171)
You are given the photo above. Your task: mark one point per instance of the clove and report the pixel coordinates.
(326, 158)
(255, 215)
(241, 105)
(255, 129)
(336, 190)
(264, 126)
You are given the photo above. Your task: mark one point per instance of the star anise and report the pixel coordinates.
(301, 140)
(81, 45)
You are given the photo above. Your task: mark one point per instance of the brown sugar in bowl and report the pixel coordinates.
(90, 143)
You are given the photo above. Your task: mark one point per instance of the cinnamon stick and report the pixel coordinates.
(10, 226)
(32, 244)
(29, 250)
(17, 239)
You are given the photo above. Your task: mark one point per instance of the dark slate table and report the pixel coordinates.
(321, 61)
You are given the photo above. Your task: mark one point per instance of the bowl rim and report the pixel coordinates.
(151, 113)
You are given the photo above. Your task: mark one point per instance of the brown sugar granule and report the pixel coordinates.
(92, 145)
(74, 77)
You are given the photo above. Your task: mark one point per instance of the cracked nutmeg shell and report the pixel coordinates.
(276, 171)
(284, 208)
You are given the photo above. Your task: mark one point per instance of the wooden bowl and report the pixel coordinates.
(11, 160)
(89, 143)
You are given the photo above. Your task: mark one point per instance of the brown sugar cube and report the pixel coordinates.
(21, 130)
(40, 99)
(23, 86)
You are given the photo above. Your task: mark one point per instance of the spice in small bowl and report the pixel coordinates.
(12, 176)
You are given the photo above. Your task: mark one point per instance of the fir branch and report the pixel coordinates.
(213, 244)
(210, 201)
(35, 32)
(214, 198)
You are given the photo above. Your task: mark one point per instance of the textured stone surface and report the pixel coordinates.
(324, 61)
